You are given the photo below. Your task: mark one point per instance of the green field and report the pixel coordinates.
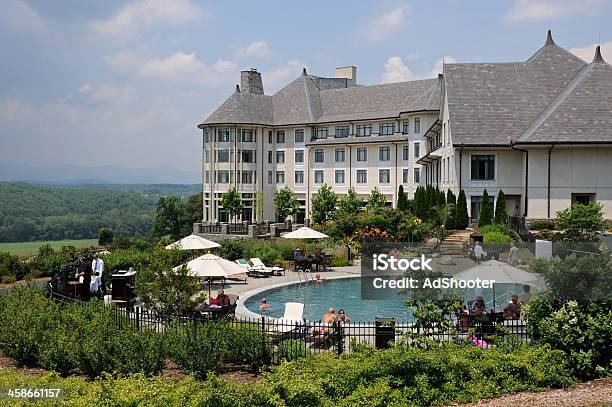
(32, 247)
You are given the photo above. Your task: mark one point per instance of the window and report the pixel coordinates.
(223, 177)
(321, 132)
(362, 154)
(319, 177)
(339, 155)
(417, 125)
(342, 131)
(405, 152)
(269, 177)
(417, 150)
(299, 135)
(483, 167)
(364, 130)
(299, 156)
(387, 129)
(270, 160)
(299, 177)
(362, 176)
(280, 177)
(417, 175)
(339, 176)
(583, 199)
(247, 135)
(247, 177)
(206, 156)
(477, 206)
(270, 137)
(405, 176)
(206, 176)
(280, 137)
(384, 154)
(405, 127)
(319, 155)
(384, 176)
(223, 135)
(247, 156)
(223, 156)
(280, 157)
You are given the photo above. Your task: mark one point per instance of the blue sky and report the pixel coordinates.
(126, 82)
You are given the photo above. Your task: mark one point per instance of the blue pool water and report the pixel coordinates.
(346, 293)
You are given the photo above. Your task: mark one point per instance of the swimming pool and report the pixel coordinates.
(346, 293)
(343, 293)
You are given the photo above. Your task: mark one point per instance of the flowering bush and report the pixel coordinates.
(374, 234)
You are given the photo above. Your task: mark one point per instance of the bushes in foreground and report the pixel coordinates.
(395, 377)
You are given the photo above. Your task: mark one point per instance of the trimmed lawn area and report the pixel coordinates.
(32, 247)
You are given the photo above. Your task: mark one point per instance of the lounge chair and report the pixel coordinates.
(291, 324)
(261, 268)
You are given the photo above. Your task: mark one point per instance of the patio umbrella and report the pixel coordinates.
(193, 242)
(210, 266)
(304, 233)
(502, 273)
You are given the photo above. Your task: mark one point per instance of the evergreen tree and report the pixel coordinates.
(402, 200)
(323, 205)
(462, 220)
(419, 204)
(452, 202)
(441, 198)
(501, 216)
(485, 210)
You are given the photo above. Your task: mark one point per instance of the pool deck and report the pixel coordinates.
(256, 284)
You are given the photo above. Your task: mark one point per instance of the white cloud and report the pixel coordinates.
(107, 93)
(587, 52)
(396, 70)
(277, 78)
(388, 23)
(257, 49)
(12, 110)
(20, 16)
(543, 10)
(178, 67)
(145, 13)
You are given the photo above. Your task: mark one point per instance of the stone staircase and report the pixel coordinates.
(452, 245)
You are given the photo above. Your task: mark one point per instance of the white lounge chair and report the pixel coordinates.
(261, 267)
(292, 322)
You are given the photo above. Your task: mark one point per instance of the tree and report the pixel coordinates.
(231, 201)
(485, 210)
(258, 205)
(285, 203)
(581, 222)
(105, 236)
(462, 220)
(165, 291)
(402, 199)
(376, 200)
(323, 205)
(191, 212)
(349, 203)
(419, 203)
(452, 201)
(501, 216)
(168, 218)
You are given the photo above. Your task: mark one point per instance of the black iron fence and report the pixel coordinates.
(284, 339)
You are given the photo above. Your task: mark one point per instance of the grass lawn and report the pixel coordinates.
(32, 247)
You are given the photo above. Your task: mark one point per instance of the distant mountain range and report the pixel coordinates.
(81, 175)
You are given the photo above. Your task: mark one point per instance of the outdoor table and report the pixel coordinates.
(214, 312)
(278, 270)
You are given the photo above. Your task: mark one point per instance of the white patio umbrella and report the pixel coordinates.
(210, 266)
(501, 273)
(193, 242)
(304, 233)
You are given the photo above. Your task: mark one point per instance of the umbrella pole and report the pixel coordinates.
(494, 297)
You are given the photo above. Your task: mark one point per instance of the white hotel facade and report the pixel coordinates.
(540, 130)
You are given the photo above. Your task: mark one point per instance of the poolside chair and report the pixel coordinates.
(261, 267)
(291, 325)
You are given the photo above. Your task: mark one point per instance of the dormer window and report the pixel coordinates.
(387, 129)
(321, 132)
(342, 131)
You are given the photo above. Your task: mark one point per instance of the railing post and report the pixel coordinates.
(339, 339)
(264, 352)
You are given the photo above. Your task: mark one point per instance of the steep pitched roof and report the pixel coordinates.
(312, 99)
(581, 113)
(495, 103)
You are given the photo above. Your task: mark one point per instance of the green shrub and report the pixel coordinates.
(11, 268)
(496, 238)
(292, 349)
(543, 225)
(139, 352)
(339, 262)
(247, 345)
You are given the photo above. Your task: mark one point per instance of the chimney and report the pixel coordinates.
(348, 72)
(250, 81)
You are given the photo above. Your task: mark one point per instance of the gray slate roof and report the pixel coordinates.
(311, 99)
(553, 97)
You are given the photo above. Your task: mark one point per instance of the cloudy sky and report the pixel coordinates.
(126, 82)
